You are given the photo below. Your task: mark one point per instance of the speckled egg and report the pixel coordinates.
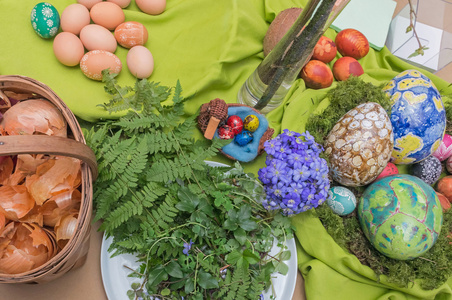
(390, 169)
(225, 132)
(341, 200)
(360, 144)
(417, 116)
(251, 123)
(444, 150)
(236, 124)
(401, 216)
(45, 20)
(243, 138)
(428, 170)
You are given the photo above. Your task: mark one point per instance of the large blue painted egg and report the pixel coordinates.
(418, 116)
(45, 20)
(401, 216)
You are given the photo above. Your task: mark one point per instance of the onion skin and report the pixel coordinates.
(317, 75)
(346, 66)
(325, 50)
(351, 42)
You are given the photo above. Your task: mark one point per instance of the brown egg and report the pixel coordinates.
(93, 62)
(360, 145)
(316, 75)
(151, 7)
(88, 3)
(140, 62)
(107, 14)
(96, 37)
(346, 66)
(445, 204)
(121, 3)
(131, 34)
(74, 17)
(444, 186)
(68, 49)
(325, 50)
(351, 42)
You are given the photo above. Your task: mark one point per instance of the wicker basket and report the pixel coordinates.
(74, 253)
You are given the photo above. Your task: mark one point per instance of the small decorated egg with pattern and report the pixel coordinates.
(360, 144)
(251, 123)
(243, 138)
(418, 116)
(428, 170)
(341, 200)
(444, 150)
(449, 165)
(225, 132)
(45, 20)
(390, 169)
(236, 124)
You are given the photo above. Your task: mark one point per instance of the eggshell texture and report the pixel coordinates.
(151, 7)
(360, 144)
(325, 50)
(45, 20)
(88, 3)
(74, 17)
(279, 27)
(140, 62)
(131, 34)
(121, 3)
(390, 169)
(445, 204)
(444, 150)
(341, 200)
(316, 75)
(93, 62)
(107, 14)
(346, 66)
(351, 42)
(96, 37)
(68, 49)
(444, 186)
(428, 170)
(401, 216)
(417, 116)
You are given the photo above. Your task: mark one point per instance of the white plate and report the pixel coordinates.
(117, 283)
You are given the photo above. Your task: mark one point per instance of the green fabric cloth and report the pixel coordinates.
(212, 47)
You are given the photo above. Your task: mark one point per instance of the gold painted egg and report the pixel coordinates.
(360, 145)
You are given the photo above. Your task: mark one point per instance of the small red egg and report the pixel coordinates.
(317, 75)
(346, 66)
(235, 123)
(390, 169)
(445, 204)
(444, 186)
(351, 42)
(325, 50)
(225, 132)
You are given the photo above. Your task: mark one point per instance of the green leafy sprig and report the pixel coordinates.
(198, 230)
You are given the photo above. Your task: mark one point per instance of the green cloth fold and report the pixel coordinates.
(212, 47)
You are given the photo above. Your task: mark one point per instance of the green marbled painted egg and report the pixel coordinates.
(401, 216)
(45, 20)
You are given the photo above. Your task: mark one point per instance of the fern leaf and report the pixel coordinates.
(106, 197)
(122, 214)
(165, 213)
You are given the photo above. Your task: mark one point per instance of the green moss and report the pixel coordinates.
(345, 96)
(433, 268)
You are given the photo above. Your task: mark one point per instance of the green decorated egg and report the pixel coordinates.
(401, 216)
(418, 116)
(45, 20)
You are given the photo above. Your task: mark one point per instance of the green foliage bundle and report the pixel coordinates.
(345, 96)
(197, 230)
(432, 269)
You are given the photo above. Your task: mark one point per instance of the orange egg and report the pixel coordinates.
(74, 17)
(151, 7)
(121, 3)
(317, 75)
(88, 3)
(96, 37)
(93, 62)
(351, 42)
(131, 34)
(107, 14)
(346, 66)
(140, 62)
(325, 50)
(68, 49)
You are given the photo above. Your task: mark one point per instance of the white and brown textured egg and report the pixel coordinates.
(360, 145)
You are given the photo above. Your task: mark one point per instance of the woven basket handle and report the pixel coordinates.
(44, 144)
